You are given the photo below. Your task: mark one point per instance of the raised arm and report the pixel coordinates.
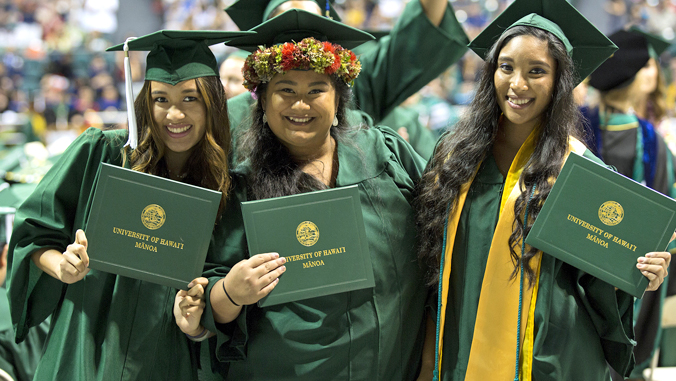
(434, 10)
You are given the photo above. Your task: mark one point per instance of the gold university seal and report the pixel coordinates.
(611, 213)
(307, 233)
(153, 216)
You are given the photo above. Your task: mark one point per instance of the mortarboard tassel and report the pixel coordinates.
(131, 113)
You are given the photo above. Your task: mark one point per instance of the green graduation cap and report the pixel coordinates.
(295, 25)
(174, 56)
(250, 13)
(179, 55)
(655, 42)
(587, 46)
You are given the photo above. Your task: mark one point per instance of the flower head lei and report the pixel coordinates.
(308, 54)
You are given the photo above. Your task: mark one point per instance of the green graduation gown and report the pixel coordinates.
(622, 147)
(104, 327)
(370, 334)
(580, 322)
(19, 360)
(393, 71)
(421, 138)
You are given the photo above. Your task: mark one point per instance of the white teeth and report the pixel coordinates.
(178, 130)
(299, 120)
(519, 101)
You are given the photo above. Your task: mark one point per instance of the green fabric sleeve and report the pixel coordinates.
(580, 319)
(21, 360)
(401, 64)
(228, 247)
(41, 223)
(421, 138)
(404, 153)
(611, 312)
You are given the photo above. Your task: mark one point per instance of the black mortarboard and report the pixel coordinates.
(619, 69)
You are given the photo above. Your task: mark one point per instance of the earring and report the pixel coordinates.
(265, 119)
(335, 121)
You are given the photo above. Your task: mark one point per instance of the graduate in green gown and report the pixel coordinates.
(300, 141)
(17, 360)
(506, 311)
(404, 120)
(425, 41)
(631, 144)
(105, 326)
(230, 71)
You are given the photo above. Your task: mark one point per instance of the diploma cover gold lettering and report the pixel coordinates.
(601, 222)
(322, 236)
(148, 227)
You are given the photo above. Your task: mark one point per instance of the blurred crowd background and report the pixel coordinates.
(56, 78)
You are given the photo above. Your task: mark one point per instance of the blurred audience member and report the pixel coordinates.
(110, 99)
(231, 73)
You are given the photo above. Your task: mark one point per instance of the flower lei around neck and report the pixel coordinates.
(308, 54)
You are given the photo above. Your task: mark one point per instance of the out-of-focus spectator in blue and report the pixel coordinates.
(110, 99)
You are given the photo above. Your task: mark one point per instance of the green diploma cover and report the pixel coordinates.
(601, 221)
(150, 228)
(322, 236)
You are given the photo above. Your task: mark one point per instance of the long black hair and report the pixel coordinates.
(459, 153)
(274, 172)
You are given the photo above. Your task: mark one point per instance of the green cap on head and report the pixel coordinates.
(250, 13)
(295, 25)
(174, 56)
(178, 55)
(586, 45)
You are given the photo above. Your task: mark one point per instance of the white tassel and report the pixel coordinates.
(131, 113)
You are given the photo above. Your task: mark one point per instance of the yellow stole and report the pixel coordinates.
(493, 351)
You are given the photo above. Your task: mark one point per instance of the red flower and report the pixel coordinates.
(335, 66)
(329, 47)
(288, 59)
(288, 48)
(288, 63)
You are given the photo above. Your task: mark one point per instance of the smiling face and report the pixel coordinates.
(524, 80)
(300, 106)
(180, 114)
